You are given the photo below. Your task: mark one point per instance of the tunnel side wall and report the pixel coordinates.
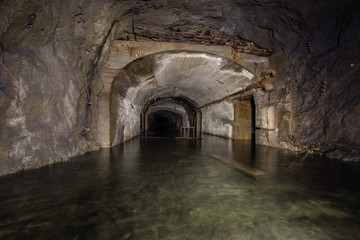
(218, 120)
(124, 120)
(47, 91)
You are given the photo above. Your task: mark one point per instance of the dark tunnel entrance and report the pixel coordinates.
(164, 117)
(164, 124)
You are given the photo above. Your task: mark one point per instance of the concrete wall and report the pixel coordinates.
(218, 119)
(244, 119)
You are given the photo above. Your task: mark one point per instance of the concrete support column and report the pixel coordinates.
(243, 116)
(266, 122)
(198, 124)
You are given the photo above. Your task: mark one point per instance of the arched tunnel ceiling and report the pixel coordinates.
(176, 105)
(196, 76)
(173, 107)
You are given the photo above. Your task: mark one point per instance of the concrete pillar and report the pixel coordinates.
(265, 117)
(266, 122)
(198, 124)
(243, 116)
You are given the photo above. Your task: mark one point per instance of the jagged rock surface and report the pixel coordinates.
(44, 106)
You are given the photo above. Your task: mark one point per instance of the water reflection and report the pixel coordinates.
(171, 189)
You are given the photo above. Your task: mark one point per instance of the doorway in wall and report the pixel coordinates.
(244, 118)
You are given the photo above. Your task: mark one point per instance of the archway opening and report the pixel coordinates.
(180, 82)
(164, 117)
(164, 124)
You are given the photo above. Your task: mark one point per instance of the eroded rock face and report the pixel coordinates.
(324, 77)
(47, 113)
(45, 103)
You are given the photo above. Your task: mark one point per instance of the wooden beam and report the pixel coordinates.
(252, 172)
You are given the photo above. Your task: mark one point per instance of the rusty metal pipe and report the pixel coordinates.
(265, 84)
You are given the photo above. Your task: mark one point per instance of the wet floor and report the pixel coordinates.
(170, 189)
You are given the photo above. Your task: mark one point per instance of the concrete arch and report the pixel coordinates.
(197, 76)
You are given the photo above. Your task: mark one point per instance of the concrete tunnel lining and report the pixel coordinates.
(179, 106)
(196, 76)
(201, 77)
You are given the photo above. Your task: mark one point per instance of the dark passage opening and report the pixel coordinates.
(164, 124)
(163, 117)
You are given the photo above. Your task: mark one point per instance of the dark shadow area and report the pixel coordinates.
(163, 117)
(164, 124)
(253, 116)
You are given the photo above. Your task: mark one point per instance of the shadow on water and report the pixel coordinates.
(171, 189)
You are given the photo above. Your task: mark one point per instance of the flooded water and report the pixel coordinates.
(171, 189)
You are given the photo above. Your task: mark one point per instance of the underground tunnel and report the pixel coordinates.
(190, 83)
(166, 117)
(164, 123)
(161, 119)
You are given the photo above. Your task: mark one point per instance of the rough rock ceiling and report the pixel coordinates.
(243, 24)
(206, 36)
(166, 21)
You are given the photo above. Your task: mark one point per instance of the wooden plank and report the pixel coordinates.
(252, 172)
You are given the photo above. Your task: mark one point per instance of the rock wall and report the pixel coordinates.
(319, 68)
(51, 50)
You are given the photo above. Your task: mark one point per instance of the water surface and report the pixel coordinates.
(170, 189)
